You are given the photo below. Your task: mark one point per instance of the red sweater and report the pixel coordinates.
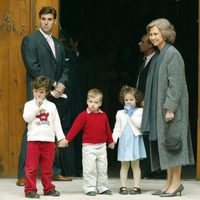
(95, 127)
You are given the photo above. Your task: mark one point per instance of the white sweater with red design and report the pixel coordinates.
(40, 129)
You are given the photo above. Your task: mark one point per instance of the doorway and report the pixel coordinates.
(108, 33)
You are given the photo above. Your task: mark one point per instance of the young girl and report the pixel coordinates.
(131, 146)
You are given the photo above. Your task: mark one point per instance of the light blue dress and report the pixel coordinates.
(130, 147)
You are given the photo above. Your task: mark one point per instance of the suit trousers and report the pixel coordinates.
(39, 154)
(146, 163)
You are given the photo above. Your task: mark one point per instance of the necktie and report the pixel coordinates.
(52, 45)
(144, 62)
(141, 68)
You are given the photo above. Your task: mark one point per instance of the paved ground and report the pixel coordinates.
(73, 190)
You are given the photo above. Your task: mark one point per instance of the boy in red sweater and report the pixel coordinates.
(96, 133)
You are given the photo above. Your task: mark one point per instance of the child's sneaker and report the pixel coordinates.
(33, 195)
(53, 193)
(91, 193)
(106, 192)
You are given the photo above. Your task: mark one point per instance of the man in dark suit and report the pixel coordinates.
(76, 103)
(148, 51)
(45, 55)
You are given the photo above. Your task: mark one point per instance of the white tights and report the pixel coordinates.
(135, 165)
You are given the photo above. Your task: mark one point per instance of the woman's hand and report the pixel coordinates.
(169, 116)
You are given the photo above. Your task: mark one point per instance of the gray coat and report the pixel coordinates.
(171, 95)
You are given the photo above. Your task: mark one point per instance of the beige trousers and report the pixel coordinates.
(95, 166)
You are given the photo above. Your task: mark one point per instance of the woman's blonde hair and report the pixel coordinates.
(166, 28)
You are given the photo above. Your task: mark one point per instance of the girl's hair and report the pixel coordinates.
(133, 91)
(41, 82)
(166, 28)
(94, 93)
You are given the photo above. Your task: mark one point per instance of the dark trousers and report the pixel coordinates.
(146, 163)
(71, 157)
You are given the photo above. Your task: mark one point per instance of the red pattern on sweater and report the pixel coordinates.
(95, 127)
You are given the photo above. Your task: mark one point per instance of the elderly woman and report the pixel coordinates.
(166, 107)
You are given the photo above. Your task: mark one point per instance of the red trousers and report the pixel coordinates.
(39, 154)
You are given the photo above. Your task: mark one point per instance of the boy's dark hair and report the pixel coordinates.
(41, 82)
(48, 10)
(134, 91)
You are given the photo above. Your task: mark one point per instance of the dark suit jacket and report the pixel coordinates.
(39, 60)
(142, 75)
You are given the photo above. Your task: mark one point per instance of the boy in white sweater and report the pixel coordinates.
(43, 125)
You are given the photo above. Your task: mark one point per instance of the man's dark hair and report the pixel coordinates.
(48, 10)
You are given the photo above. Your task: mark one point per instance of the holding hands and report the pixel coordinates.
(111, 145)
(63, 143)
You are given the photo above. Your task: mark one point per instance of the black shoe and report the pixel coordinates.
(106, 192)
(158, 192)
(91, 193)
(33, 195)
(135, 190)
(173, 194)
(123, 190)
(53, 193)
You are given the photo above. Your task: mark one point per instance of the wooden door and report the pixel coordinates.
(17, 19)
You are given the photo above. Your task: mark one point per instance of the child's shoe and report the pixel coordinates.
(106, 192)
(33, 195)
(53, 193)
(135, 190)
(123, 190)
(91, 193)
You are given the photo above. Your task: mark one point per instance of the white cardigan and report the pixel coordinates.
(122, 118)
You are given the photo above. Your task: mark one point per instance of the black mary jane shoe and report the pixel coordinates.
(135, 190)
(123, 190)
